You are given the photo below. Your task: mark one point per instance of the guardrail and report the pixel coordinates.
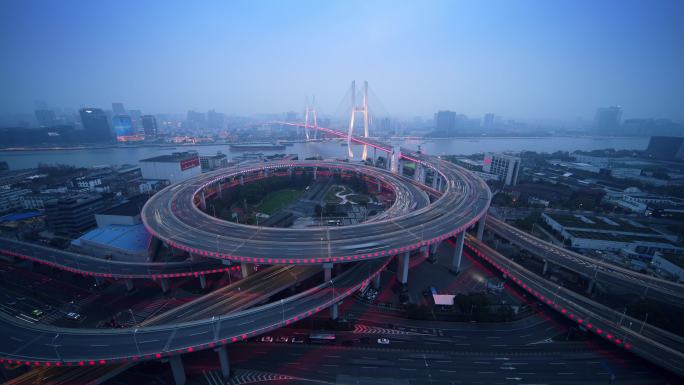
(98, 267)
(649, 342)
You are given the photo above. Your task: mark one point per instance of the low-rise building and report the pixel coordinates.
(213, 162)
(10, 198)
(670, 265)
(125, 213)
(37, 201)
(175, 167)
(586, 232)
(507, 167)
(73, 215)
(117, 242)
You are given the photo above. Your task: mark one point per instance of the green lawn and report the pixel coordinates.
(278, 200)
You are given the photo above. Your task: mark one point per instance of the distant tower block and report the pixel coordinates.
(310, 111)
(354, 110)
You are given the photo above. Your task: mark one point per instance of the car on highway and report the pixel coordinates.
(297, 340)
(383, 341)
(37, 313)
(283, 339)
(266, 339)
(74, 316)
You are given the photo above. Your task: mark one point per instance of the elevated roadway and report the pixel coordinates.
(173, 216)
(595, 270)
(228, 299)
(99, 267)
(655, 345)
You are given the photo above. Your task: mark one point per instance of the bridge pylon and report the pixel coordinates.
(354, 109)
(310, 111)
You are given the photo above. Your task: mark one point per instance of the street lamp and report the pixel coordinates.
(54, 346)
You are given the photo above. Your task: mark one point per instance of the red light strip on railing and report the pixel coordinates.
(553, 305)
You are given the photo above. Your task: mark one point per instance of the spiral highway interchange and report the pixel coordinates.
(174, 215)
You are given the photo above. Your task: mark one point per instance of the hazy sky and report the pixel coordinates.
(523, 59)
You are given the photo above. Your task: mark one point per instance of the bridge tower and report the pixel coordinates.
(310, 111)
(354, 109)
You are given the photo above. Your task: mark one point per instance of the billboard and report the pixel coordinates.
(190, 163)
(123, 129)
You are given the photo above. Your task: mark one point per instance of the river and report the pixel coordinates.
(460, 146)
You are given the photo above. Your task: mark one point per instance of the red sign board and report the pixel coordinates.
(190, 163)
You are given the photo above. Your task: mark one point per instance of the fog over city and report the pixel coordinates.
(530, 60)
(342, 192)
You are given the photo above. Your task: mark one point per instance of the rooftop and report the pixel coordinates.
(172, 158)
(19, 216)
(130, 238)
(619, 237)
(589, 222)
(130, 207)
(675, 259)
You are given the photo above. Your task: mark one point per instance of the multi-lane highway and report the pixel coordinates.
(464, 198)
(642, 284)
(98, 267)
(228, 299)
(656, 345)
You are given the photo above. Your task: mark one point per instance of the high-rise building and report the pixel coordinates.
(196, 119)
(149, 123)
(488, 121)
(95, 125)
(608, 119)
(505, 166)
(215, 119)
(118, 109)
(45, 118)
(136, 119)
(445, 122)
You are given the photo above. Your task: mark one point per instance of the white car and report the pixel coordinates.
(266, 339)
(383, 341)
(74, 316)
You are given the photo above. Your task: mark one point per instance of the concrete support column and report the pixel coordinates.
(219, 189)
(402, 273)
(545, 267)
(425, 252)
(334, 311)
(433, 250)
(203, 201)
(434, 179)
(388, 162)
(458, 253)
(379, 186)
(177, 369)
(590, 288)
(225, 362)
(315, 170)
(242, 180)
(481, 227)
(376, 281)
(129, 284)
(164, 284)
(203, 281)
(416, 172)
(246, 269)
(327, 272)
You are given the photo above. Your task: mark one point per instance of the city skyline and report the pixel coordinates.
(525, 60)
